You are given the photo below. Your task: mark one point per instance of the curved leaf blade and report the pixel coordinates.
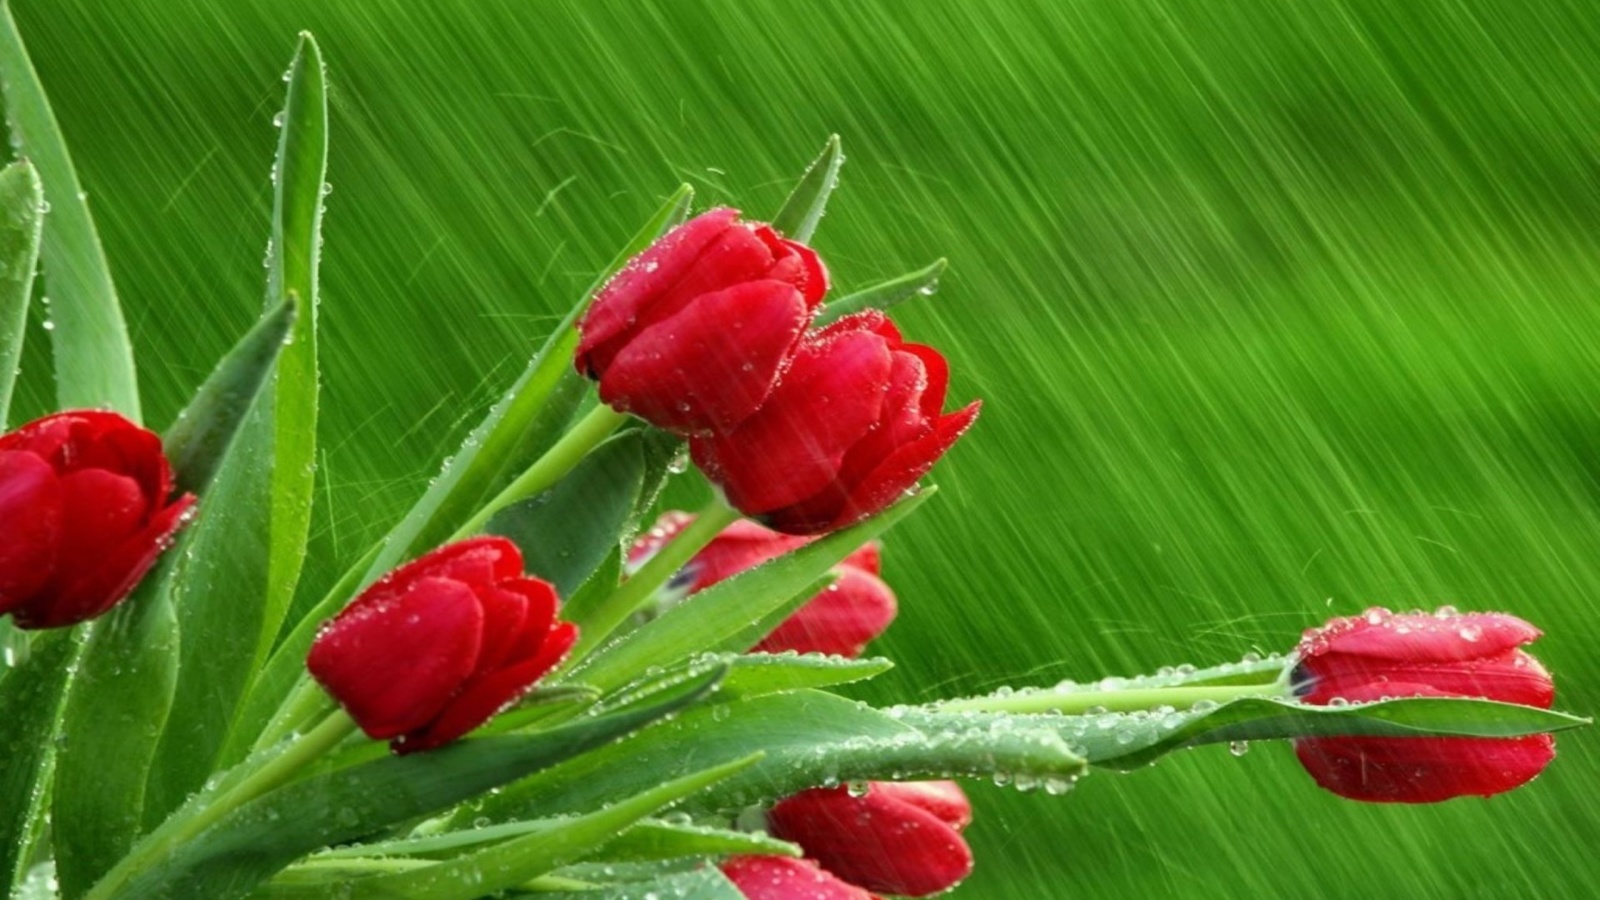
(30, 705)
(884, 295)
(808, 202)
(89, 337)
(21, 223)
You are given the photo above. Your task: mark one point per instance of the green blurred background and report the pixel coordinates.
(1278, 309)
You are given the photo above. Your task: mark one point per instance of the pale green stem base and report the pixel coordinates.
(597, 620)
(178, 830)
(550, 468)
(1080, 702)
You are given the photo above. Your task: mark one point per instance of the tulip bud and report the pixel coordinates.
(692, 334)
(1380, 655)
(782, 878)
(851, 427)
(840, 620)
(438, 646)
(896, 838)
(84, 512)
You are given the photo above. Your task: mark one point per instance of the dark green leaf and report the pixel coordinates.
(811, 738)
(199, 438)
(757, 674)
(809, 200)
(245, 554)
(30, 707)
(89, 339)
(653, 840)
(20, 224)
(120, 697)
(700, 883)
(516, 861)
(566, 532)
(728, 609)
(339, 805)
(884, 295)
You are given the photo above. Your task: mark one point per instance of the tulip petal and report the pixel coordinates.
(111, 577)
(741, 546)
(1513, 676)
(1419, 637)
(793, 446)
(711, 365)
(542, 601)
(394, 664)
(782, 878)
(620, 301)
(480, 562)
(877, 841)
(504, 614)
(944, 799)
(30, 526)
(840, 620)
(480, 699)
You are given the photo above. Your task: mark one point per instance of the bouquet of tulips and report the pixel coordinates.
(538, 682)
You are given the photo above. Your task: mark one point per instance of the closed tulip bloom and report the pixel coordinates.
(841, 619)
(438, 646)
(1380, 655)
(897, 838)
(692, 334)
(783, 878)
(84, 512)
(851, 427)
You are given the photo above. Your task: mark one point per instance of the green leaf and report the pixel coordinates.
(120, 698)
(93, 359)
(810, 738)
(198, 440)
(758, 674)
(517, 429)
(337, 805)
(884, 295)
(1129, 741)
(657, 840)
(521, 859)
(246, 552)
(566, 532)
(727, 609)
(701, 883)
(809, 200)
(20, 223)
(30, 707)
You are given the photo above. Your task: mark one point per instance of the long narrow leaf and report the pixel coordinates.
(20, 225)
(808, 202)
(884, 295)
(30, 707)
(93, 359)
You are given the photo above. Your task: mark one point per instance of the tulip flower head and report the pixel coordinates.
(692, 334)
(84, 512)
(854, 423)
(1382, 655)
(841, 619)
(895, 838)
(438, 646)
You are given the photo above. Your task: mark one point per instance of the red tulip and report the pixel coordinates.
(850, 428)
(438, 646)
(693, 333)
(896, 838)
(84, 512)
(840, 620)
(783, 878)
(1381, 655)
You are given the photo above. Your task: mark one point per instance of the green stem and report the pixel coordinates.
(1079, 702)
(303, 704)
(177, 831)
(597, 620)
(551, 467)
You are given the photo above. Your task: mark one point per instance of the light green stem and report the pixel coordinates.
(596, 621)
(1079, 702)
(303, 704)
(550, 468)
(179, 829)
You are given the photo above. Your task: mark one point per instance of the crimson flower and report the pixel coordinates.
(84, 512)
(897, 838)
(692, 334)
(853, 424)
(783, 878)
(840, 620)
(1380, 655)
(438, 646)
